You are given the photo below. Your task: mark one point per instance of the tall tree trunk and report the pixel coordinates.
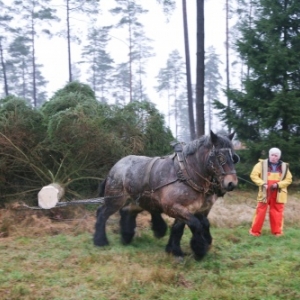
(188, 73)
(227, 55)
(69, 42)
(200, 70)
(227, 51)
(3, 69)
(130, 64)
(23, 79)
(33, 63)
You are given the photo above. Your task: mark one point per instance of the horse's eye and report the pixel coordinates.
(222, 159)
(235, 158)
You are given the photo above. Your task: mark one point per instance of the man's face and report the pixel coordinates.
(274, 158)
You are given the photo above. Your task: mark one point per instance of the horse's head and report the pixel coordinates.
(221, 162)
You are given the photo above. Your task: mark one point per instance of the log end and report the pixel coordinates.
(48, 196)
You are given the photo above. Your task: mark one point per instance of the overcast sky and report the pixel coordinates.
(166, 36)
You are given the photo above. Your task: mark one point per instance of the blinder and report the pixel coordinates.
(222, 158)
(235, 158)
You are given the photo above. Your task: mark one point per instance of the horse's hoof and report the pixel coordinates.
(199, 257)
(159, 235)
(100, 243)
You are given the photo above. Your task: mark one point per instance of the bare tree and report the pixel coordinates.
(188, 73)
(200, 120)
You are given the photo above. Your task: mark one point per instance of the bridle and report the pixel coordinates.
(213, 185)
(220, 158)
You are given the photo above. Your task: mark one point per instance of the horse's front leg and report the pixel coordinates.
(206, 227)
(176, 233)
(201, 238)
(103, 213)
(128, 222)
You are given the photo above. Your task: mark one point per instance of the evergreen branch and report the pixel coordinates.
(82, 178)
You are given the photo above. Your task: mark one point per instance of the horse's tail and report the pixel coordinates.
(102, 188)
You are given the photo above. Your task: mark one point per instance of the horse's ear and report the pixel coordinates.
(213, 137)
(231, 135)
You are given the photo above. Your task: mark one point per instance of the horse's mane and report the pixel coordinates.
(205, 142)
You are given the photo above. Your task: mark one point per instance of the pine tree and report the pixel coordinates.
(266, 112)
(120, 85)
(6, 16)
(130, 12)
(19, 71)
(212, 82)
(183, 118)
(99, 61)
(34, 18)
(170, 80)
(19, 68)
(141, 51)
(75, 8)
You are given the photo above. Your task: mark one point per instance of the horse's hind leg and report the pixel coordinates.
(159, 226)
(176, 233)
(103, 213)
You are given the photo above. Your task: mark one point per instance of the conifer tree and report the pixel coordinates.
(141, 51)
(120, 87)
(19, 71)
(6, 16)
(266, 112)
(170, 80)
(72, 8)
(130, 12)
(212, 83)
(99, 61)
(33, 20)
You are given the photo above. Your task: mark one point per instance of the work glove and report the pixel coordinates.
(274, 186)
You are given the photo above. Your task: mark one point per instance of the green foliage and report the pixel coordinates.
(21, 130)
(72, 140)
(266, 112)
(156, 137)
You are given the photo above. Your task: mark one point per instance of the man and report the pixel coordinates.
(272, 177)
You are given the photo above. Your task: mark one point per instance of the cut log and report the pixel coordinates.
(50, 195)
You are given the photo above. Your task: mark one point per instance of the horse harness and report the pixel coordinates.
(183, 174)
(213, 184)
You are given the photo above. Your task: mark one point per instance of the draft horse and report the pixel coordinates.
(184, 186)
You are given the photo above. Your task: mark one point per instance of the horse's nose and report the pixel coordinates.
(230, 186)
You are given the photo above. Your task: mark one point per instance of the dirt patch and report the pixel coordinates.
(20, 222)
(231, 211)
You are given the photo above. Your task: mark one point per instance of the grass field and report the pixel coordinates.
(51, 256)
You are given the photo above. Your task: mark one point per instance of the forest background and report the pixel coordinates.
(77, 134)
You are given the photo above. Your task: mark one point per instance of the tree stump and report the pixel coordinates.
(50, 195)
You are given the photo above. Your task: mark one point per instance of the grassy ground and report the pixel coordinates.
(52, 257)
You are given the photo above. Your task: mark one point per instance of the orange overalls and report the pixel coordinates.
(276, 209)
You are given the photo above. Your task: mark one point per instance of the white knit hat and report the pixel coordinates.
(275, 151)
